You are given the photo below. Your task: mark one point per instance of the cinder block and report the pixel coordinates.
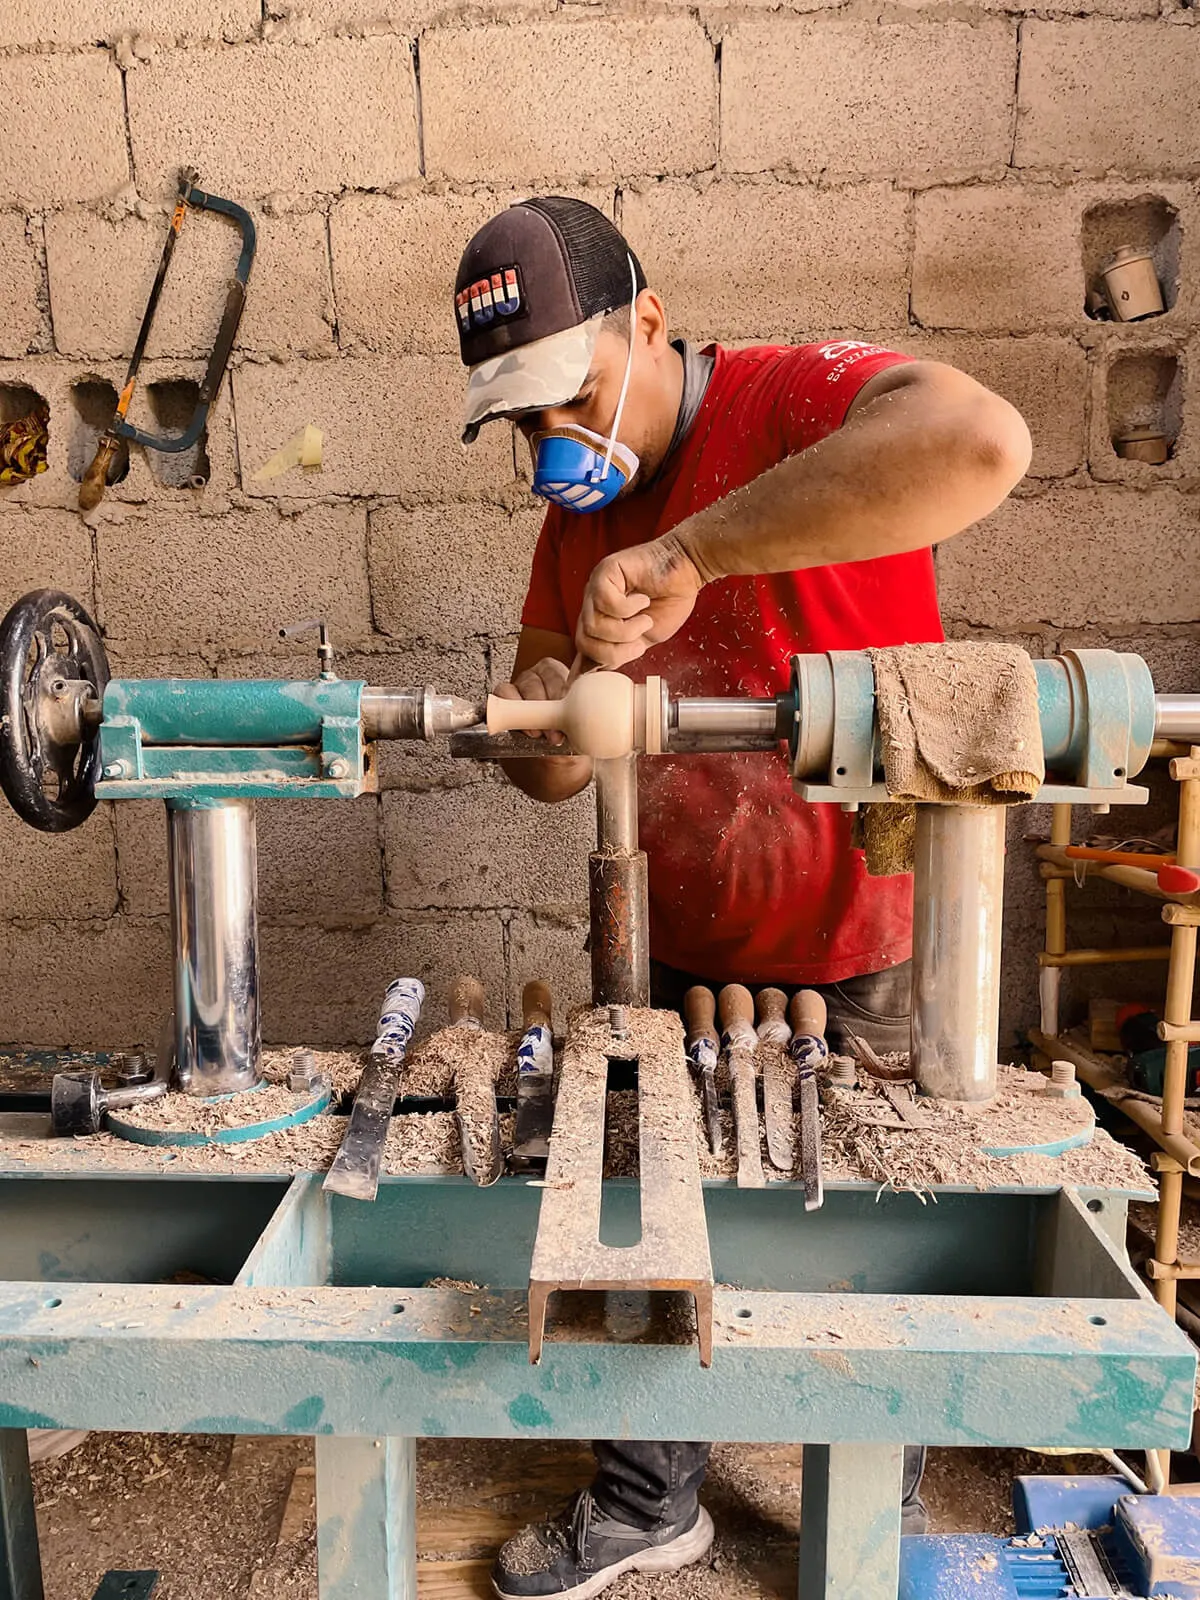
(1045, 378)
(486, 845)
(141, 828)
(553, 949)
(266, 117)
(845, 99)
(1072, 557)
(64, 121)
(1001, 257)
(409, 16)
(101, 273)
(780, 256)
(450, 573)
(20, 280)
(92, 985)
(394, 262)
(1097, 95)
(620, 96)
(52, 875)
(1152, 384)
(323, 986)
(233, 579)
(30, 22)
(45, 549)
(391, 427)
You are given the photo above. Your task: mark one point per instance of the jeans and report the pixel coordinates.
(647, 1484)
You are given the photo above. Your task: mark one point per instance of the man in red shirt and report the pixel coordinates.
(712, 513)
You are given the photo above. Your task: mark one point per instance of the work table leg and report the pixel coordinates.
(20, 1558)
(366, 1518)
(850, 1521)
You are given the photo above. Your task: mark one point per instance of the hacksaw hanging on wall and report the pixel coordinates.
(97, 477)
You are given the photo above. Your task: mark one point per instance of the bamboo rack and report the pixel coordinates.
(1178, 1154)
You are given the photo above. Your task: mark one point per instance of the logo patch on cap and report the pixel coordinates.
(481, 302)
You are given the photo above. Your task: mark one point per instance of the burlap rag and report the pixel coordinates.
(957, 723)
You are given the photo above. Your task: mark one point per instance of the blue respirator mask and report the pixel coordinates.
(578, 469)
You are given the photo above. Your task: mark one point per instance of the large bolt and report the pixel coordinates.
(303, 1075)
(115, 769)
(1061, 1084)
(338, 768)
(618, 1022)
(841, 1073)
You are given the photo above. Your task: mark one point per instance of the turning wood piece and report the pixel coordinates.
(736, 1006)
(467, 1003)
(536, 1004)
(596, 714)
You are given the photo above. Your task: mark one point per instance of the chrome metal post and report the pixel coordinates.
(618, 891)
(958, 902)
(1177, 716)
(214, 929)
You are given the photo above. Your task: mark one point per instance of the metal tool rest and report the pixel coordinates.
(873, 1322)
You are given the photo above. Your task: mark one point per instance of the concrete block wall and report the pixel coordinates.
(941, 178)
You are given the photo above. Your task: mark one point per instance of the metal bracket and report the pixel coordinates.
(673, 1250)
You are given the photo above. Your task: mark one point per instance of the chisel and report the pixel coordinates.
(740, 1042)
(778, 1077)
(355, 1169)
(475, 1086)
(808, 1050)
(700, 1015)
(535, 1081)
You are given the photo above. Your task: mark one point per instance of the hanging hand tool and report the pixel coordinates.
(355, 1169)
(475, 1086)
(535, 1082)
(740, 1042)
(112, 441)
(1169, 875)
(700, 1015)
(778, 1077)
(808, 1050)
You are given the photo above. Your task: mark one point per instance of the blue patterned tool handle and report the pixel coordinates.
(398, 1017)
(535, 1054)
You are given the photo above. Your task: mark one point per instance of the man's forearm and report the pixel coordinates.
(915, 466)
(550, 778)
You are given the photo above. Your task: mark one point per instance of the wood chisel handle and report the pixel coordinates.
(355, 1169)
(772, 1007)
(809, 1014)
(95, 479)
(535, 1005)
(700, 1017)
(467, 1003)
(736, 1007)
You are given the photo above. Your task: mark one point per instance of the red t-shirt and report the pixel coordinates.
(748, 882)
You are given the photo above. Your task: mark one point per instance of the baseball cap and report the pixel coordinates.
(533, 288)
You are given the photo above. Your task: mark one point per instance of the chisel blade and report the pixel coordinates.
(355, 1169)
(699, 1011)
(778, 1077)
(808, 1050)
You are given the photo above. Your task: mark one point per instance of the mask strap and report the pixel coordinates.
(612, 438)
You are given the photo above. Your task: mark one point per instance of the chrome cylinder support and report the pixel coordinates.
(1177, 716)
(214, 928)
(958, 902)
(618, 891)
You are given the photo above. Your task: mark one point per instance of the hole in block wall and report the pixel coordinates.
(172, 403)
(24, 433)
(1145, 395)
(93, 402)
(1148, 223)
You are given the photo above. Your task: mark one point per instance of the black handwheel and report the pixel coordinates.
(53, 672)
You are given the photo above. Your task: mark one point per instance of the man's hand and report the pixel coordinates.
(635, 599)
(545, 680)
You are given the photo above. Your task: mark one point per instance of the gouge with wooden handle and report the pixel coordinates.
(808, 1049)
(740, 1042)
(700, 1016)
(535, 1082)
(778, 1072)
(474, 1085)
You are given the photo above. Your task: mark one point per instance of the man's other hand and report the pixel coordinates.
(545, 680)
(634, 599)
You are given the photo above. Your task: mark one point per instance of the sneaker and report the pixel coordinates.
(579, 1553)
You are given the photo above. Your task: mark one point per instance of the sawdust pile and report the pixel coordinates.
(446, 1057)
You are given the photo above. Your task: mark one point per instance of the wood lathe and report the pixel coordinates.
(870, 1322)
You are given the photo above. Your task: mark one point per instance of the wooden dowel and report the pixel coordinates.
(1105, 958)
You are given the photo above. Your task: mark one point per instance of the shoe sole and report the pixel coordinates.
(681, 1552)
